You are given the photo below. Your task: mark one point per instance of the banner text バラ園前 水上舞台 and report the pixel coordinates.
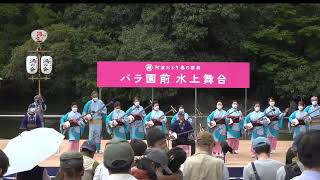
(173, 74)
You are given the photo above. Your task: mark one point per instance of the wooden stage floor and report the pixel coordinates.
(232, 160)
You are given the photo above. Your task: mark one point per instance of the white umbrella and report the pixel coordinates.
(30, 148)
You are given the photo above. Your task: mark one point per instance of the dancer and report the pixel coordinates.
(235, 129)
(156, 118)
(98, 108)
(72, 123)
(118, 121)
(276, 118)
(217, 123)
(256, 122)
(136, 114)
(299, 120)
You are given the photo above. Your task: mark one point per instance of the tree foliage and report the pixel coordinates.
(280, 41)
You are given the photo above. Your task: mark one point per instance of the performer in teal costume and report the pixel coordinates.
(299, 120)
(156, 118)
(74, 125)
(217, 123)
(136, 114)
(276, 118)
(235, 129)
(118, 121)
(256, 122)
(314, 112)
(99, 110)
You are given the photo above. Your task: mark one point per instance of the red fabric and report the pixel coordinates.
(140, 174)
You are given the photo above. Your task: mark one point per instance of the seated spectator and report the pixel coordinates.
(4, 163)
(293, 166)
(118, 157)
(139, 148)
(177, 156)
(154, 165)
(101, 173)
(157, 139)
(37, 173)
(145, 169)
(263, 168)
(88, 150)
(71, 166)
(203, 166)
(308, 146)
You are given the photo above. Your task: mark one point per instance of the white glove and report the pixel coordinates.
(249, 125)
(88, 117)
(66, 125)
(113, 123)
(294, 122)
(131, 118)
(230, 122)
(149, 124)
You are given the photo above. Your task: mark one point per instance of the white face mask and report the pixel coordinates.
(95, 99)
(314, 103)
(32, 109)
(257, 109)
(74, 109)
(219, 106)
(136, 103)
(117, 110)
(234, 106)
(156, 108)
(271, 103)
(181, 110)
(300, 108)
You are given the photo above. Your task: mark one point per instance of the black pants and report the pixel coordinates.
(188, 142)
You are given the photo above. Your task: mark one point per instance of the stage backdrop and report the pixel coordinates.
(173, 74)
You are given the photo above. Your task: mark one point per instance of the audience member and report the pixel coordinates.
(4, 163)
(118, 157)
(308, 146)
(88, 150)
(293, 166)
(139, 148)
(156, 139)
(36, 173)
(71, 166)
(202, 165)
(176, 156)
(263, 168)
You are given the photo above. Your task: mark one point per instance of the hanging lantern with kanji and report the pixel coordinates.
(46, 64)
(32, 64)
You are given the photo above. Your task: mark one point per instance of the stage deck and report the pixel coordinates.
(232, 160)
